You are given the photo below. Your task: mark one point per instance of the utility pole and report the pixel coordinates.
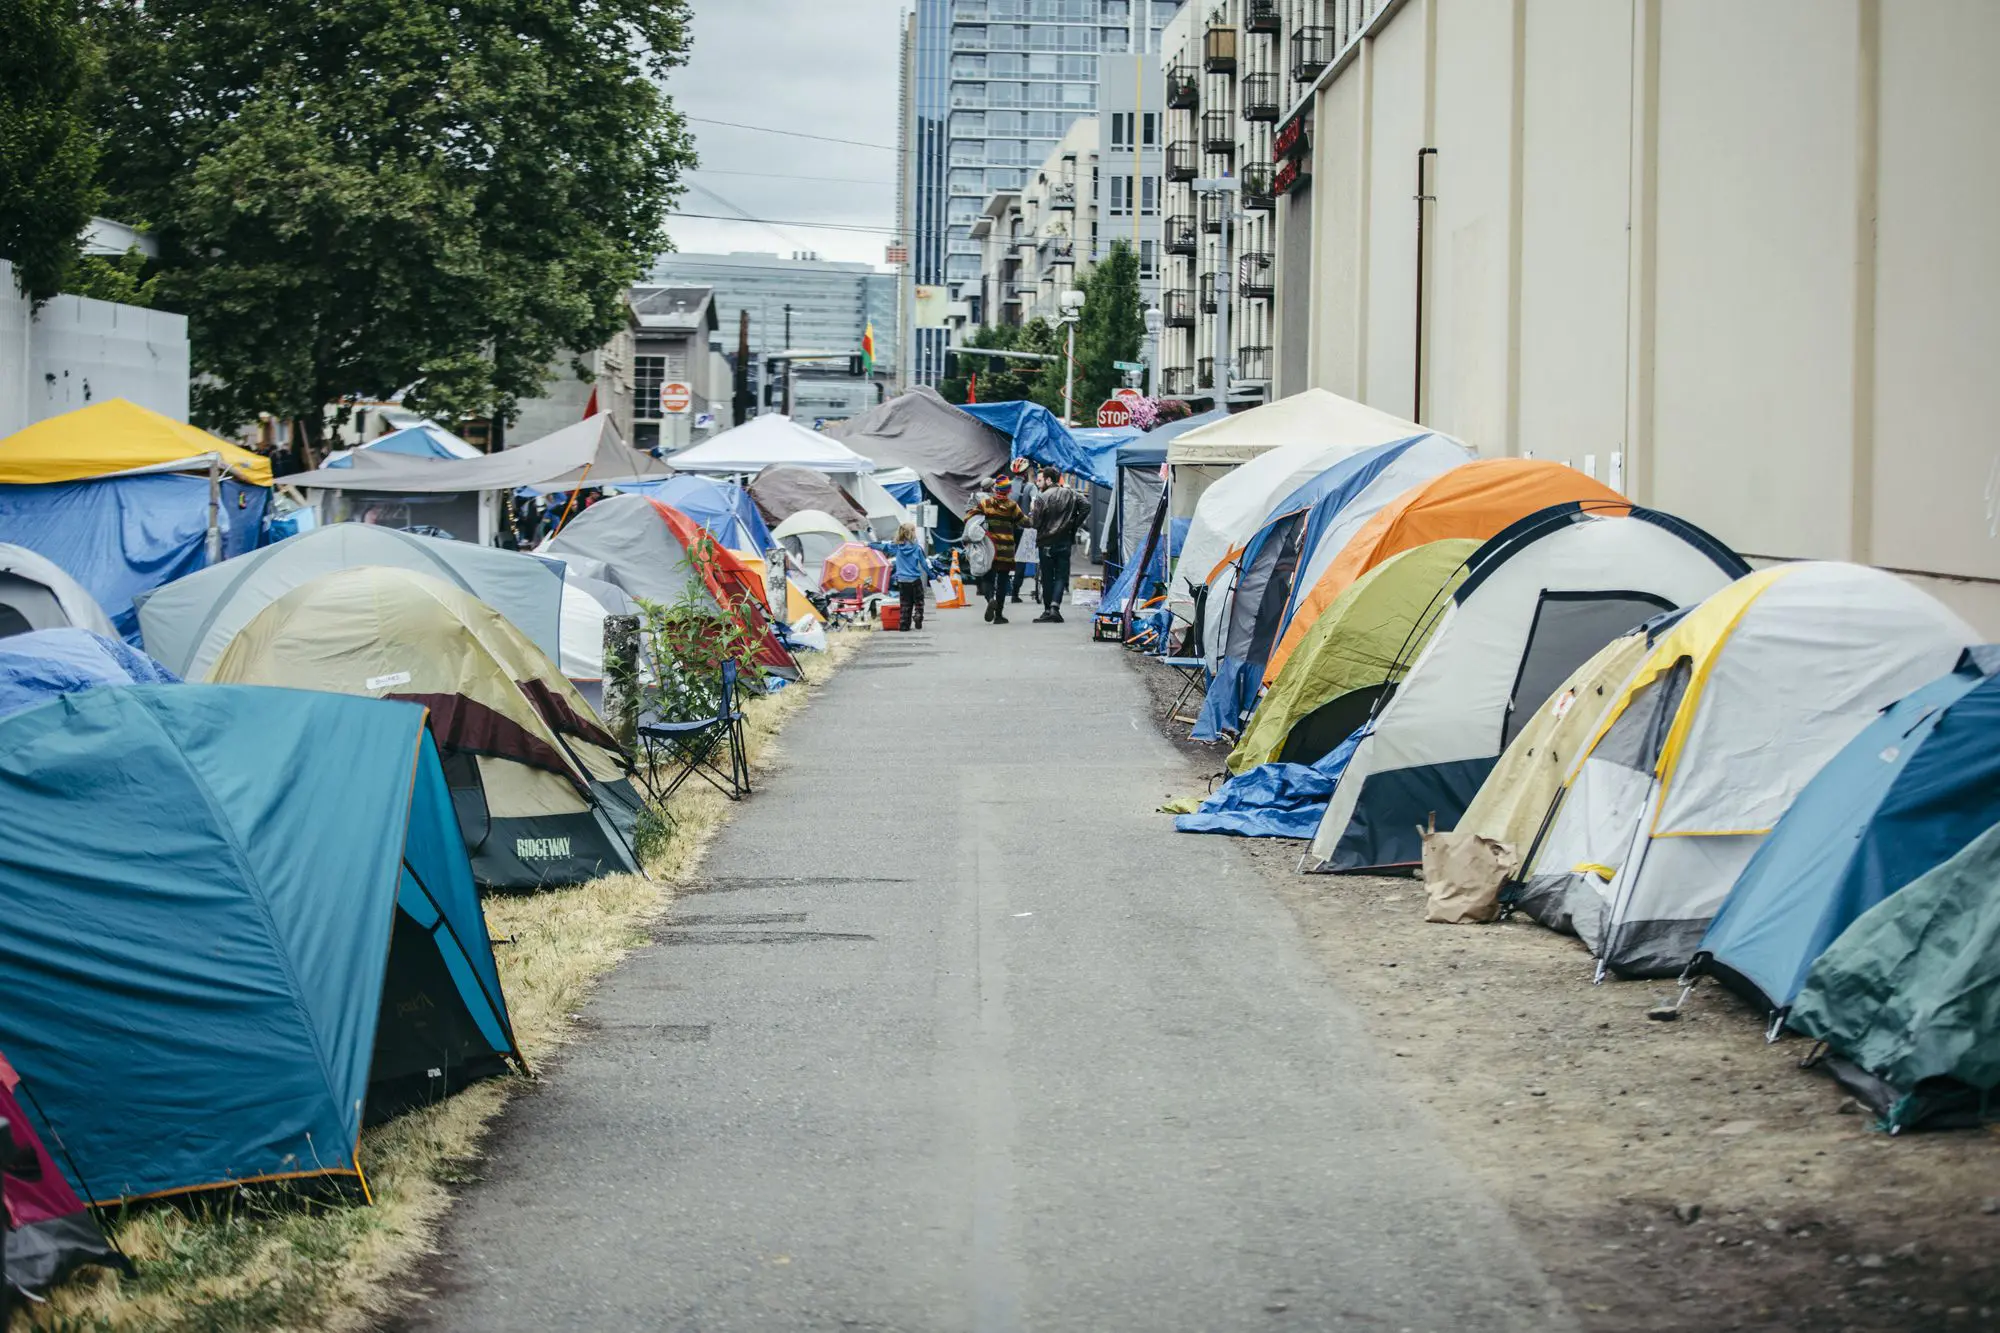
(740, 390)
(788, 360)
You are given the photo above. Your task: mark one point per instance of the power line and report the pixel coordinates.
(794, 134)
(781, 176)
(792, 222)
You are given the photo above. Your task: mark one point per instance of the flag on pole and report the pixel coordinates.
(868, 349)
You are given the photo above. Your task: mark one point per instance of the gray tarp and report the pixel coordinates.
(784, 490)
(590, 453)
(188, 623)
(950, 450)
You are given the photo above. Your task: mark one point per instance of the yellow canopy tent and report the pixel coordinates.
(114, 438)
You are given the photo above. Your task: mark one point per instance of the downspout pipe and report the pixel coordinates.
(1423, 198)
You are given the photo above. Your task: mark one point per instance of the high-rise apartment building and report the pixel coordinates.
(1004, 79)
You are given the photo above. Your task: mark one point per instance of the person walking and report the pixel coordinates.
(911, 569)
(1003, 529)
(1060, 514)
(1026, 554)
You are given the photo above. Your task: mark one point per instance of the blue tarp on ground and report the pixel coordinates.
(37, 667)
(1273, 800)
(722, 507)
(1904, 796)
(121, 536)
(1040, 437)
(197, 946)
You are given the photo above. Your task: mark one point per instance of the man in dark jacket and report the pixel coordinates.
(1059, 515)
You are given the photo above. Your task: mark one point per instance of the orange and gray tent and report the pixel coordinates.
(1537, 601)
(240, 926)
(541, 789)
(1477, 500)
(656, 554)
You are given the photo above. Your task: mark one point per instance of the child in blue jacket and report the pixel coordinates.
(910, 570)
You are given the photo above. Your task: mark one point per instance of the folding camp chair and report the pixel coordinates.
(697, 748)
(1194, 685)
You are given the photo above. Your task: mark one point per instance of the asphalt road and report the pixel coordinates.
(958, 1035)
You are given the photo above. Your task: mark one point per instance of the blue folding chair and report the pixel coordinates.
(699, 747)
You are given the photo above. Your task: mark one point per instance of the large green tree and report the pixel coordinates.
(48, 152)
(357, 197)
(1003, 379)
(1113, 328)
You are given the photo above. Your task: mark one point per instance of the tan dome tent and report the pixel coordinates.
(540, 788)
(35, 594)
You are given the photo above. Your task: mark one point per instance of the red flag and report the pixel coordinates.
(972, 388)
(590, 408)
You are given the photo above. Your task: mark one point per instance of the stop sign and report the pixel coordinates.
(675, 398)
(1114, 413)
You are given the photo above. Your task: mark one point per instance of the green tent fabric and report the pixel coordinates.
(1908, 998)
(1356, 643)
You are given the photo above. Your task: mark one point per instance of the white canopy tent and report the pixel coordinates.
(766, 441)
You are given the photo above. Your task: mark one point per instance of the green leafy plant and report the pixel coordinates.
(686, 641)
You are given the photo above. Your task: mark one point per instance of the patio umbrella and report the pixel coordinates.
(855, 568)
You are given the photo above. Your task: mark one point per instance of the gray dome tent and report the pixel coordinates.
(35, 594)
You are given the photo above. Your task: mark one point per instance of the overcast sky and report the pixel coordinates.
(823, 67)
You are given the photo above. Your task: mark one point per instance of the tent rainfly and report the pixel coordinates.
(1732, 711)
(188, 623)
(783, 491)
(770, 440)
(286, 969)
(950, 450)
(1537, 601)
(539, 786)
(1917, 785)
(38, 667)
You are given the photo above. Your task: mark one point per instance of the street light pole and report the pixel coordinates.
(1072, 308)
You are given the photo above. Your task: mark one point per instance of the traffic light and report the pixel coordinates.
(854, 366)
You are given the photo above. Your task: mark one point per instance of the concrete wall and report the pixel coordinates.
(75, 351)
(1736, 254)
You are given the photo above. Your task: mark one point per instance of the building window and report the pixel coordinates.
(648, 374)
(1148, 260)
(1149, 195)
(1121, 195)
(1121, 129)
(1151, 128)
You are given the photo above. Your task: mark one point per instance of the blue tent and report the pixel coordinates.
(1119, 599)
(121, 536)
(1266, 573)
(213, 976)
(35, 668)
(426, 439)
(1040, 437)
(722, 507)
(1903, 797)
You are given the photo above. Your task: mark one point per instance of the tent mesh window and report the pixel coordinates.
(1569, 627)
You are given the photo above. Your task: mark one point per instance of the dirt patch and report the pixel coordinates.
(1669, 1175)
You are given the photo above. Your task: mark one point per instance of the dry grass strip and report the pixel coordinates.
(269, 1264)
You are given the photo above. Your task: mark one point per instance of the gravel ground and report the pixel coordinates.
(1668, 1175)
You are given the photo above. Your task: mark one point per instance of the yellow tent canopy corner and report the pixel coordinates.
(115, 437)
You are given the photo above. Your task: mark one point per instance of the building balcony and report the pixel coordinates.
(1176, 381)
(1260, 97)
(1214, 207)
(1183, 88)
(1262, 16)
(1313, 49)
(1254, 188)
(1183, 163)
(1218, 131)
(1180, 236)
(1204, 373)
(1177, 308)
(1218, 51)
(1062, 196)
(1205, 297)
(1256, 275)
(1253, 364)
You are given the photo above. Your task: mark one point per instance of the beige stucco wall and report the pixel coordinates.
(1745, 249)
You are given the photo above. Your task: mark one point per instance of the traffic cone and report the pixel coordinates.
(957, 598)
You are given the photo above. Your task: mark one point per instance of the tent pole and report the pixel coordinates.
(215, 509)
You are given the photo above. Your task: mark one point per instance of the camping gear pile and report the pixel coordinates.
(302, 764)
(1501, 674)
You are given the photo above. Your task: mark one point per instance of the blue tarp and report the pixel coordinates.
(1112, 603)
(121, 536)
(722, 507)
(1162, 434)
(1103, 443)
(197, 944)
(1904, 796)
(37, 667)
(1273, 800)
(905, 492)
(1041, 438)
(1239, 676)
(426, 440)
